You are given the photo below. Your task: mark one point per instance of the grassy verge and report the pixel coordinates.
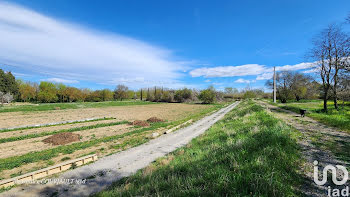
(35, 135)
(17, 161)
(32, 127)
(339, 119)
(248, 153)
(78, 105)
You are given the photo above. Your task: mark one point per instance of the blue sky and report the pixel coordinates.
(99, 44)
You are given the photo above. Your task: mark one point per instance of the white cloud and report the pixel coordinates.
(59, 80)
(310, 71)
(301, 66)
(44, 45)
(228, 71)
(263, 72)
(241, 80)
(265, 76)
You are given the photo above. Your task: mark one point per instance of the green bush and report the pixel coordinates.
(183, 95)
(207, 96)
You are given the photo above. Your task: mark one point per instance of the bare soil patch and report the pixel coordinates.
(154, 119)
(169, 112)
(101, 150)
(21, 147)
(62, 138)
(166, 111)
(51, 128)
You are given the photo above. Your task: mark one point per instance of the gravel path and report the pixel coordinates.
(314, 131)
(114, 167)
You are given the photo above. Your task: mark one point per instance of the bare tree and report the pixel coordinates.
(291, 84)
(331, 51)
(121, 92)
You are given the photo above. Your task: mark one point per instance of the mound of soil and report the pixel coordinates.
(155, 119)
(62, 138)
(140, 123)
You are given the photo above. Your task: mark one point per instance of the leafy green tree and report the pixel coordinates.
(11, 84)
(61, 92)
(27, 91)
(2, 81)
(8, 83)
(106, 95)
(47, 92)
(207, 96)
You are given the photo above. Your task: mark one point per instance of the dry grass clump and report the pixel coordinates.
(140, 123)
(155, 119)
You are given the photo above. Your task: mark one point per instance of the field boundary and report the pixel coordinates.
(48, 171)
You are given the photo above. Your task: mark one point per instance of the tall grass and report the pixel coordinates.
(248, 153)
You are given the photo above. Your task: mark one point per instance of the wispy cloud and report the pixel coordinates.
(59, 49)
(241, 80)
(228, 71)
(261, 72)
(60, 80)
(301, 66)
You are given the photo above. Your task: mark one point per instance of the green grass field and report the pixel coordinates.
(248, 153)
(339, 119)
(78, 105)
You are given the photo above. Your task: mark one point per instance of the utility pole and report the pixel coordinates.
(274, 84)
(141, 94)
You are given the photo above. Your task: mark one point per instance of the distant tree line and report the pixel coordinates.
(295, 86)
(48, 92)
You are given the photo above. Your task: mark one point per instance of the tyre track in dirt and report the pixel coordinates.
(309, 129)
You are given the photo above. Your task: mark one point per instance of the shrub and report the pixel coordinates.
(183, 95)
(207, 96)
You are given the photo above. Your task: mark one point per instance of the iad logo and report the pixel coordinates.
(334, 174)
(332, 192)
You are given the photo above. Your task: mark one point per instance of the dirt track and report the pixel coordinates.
(122, 164)
(310, 129)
